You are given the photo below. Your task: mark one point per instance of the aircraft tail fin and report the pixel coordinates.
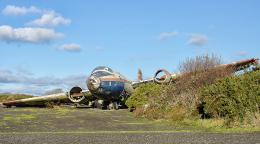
(139, 75)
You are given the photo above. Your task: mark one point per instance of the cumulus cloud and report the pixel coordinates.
(50, 18)
(166, 35)
(72, 47)
(19, 82)
(198, 39)
(16, 10)
(28, 34)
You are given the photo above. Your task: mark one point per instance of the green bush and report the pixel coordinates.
(155, 101)
(235, 98)
(143, 94)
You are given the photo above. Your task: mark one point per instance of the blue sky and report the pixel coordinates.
(56, 43)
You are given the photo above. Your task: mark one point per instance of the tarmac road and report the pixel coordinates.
(133, 138)
(72, 126)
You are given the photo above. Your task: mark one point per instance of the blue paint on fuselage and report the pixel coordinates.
(111, 89)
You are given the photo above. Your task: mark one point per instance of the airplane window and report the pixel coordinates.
(103, 68)
(105, 83)
(109, 69)
(113, 83)
(102, 73)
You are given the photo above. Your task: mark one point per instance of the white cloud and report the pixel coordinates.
(70, 47)
(198, 39)
(19, 82)
(16, 10)
(166, 35)
(50, 18)
(28, 34)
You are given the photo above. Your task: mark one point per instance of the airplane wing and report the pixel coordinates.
(161, 76)
(75, 95)
(167, 77)
(243, 64)
(137, 83)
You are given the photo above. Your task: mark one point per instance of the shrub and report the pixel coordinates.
(234, 98)
(142, 94)
(199, 63)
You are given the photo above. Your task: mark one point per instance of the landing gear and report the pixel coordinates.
(101, 104)
(113, 106)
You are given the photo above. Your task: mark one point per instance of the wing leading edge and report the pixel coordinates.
(66, 97)
(169, 77)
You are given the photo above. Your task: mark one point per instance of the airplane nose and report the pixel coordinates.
(93, 83)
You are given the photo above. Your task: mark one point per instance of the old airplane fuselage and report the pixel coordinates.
(108, 85)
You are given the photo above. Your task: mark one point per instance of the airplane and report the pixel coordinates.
(108, 89)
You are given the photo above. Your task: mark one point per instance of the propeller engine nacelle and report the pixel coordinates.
(162, 76)
(75, 94)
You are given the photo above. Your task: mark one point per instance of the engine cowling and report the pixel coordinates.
(162, 76)
(75, 94)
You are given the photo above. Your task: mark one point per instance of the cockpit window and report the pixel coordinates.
(102, 68)
(101, 73)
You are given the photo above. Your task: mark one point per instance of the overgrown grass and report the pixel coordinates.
(19, 118)
(215, 125)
